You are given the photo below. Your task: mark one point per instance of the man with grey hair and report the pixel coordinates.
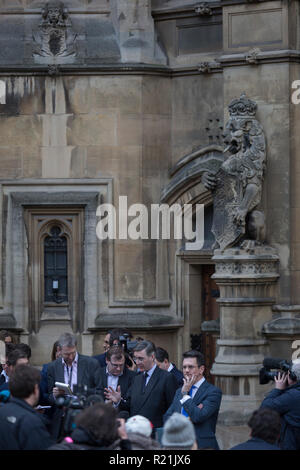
(73, 369)
(285, 399)
(151, 392)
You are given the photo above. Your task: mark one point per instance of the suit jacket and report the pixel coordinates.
(178, 375)
(156, 398)
(101, 358)
(88, 373)
(125, 380)
(255, 444)
(204, 419)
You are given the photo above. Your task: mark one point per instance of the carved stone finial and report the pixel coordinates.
(203, 9)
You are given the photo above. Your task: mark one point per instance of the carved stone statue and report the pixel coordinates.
(237, 185)
(54, 39)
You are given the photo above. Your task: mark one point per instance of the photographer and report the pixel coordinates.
(285, 399)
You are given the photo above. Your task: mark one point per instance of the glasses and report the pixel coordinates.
(117, 366)
(139, 359)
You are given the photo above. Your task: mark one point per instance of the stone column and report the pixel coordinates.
(247, 282)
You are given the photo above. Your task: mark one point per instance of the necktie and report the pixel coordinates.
(183, 412)
(144, 382)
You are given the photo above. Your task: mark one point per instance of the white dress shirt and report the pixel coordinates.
(112, 380)
(70, 372)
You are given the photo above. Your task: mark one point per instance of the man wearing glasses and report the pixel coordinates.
(72, 369)
(115, 376)
(197, 400)
(152, 390)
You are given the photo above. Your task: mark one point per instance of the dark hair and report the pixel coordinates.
(54, 350)
(197, 354)
(100, 420)
(161, 354)
(24, 348)
(14, 355)
(147, 345)
(116, 333)
(265, 424)
(9, 347)
(23, 380)
(117, 351)
(5, 334)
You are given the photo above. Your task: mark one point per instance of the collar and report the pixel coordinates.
(111, 375)
(171, 366)
(5, 374)
(150, 371)
(199, 383)
(74, 362)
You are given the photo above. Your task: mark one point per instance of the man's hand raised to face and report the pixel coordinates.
(188, 382)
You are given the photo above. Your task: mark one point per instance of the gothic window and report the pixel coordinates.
(56, 266)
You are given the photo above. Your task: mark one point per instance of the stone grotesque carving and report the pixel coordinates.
(237, 185)
(252, 56)
(54, 39)
(203, 9)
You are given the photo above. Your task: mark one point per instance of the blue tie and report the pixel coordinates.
(183, 412)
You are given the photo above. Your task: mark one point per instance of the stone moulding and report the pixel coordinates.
(285, 321)
(190, 168)
(138, 320)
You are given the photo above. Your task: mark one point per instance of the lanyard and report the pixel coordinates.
(69, 372)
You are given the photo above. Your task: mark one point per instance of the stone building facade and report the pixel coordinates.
(108, 98)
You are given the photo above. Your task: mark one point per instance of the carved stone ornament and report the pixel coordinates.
(54, 41)
(252, 56)
(208, 67)
(237, 185)
(203, 9)
(204, 67)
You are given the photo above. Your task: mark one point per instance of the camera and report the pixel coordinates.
(126, 344)
(128, 347)
(74, 404)
(268, 373)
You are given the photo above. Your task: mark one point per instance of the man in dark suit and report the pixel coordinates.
(101, 358)
(115, 376)
(73, 369)
(163, 362)
(197, 400)
(152, 390)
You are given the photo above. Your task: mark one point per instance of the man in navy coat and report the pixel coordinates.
(265, 430)
(163, 362)
(198, 400)
(285, 399)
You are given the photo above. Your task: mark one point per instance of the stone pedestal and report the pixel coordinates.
(247, 280)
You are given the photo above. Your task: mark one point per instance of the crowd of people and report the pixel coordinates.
(130, 397)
